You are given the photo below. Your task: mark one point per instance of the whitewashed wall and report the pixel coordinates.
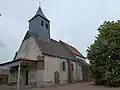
(29, 49)
(53, 64)
(32, 73)
(80, 72)
(79, 75)
(40, 78)
(74, 72)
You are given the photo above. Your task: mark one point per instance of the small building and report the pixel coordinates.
(42, 61)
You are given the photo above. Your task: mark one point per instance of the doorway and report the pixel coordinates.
(56, 77)
(26, 77)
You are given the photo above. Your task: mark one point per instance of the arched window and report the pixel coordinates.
(64, 66)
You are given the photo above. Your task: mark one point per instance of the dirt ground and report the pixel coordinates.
(78, 86)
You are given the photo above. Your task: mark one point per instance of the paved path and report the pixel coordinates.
(79, 86)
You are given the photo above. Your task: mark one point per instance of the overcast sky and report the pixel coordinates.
(73, 21)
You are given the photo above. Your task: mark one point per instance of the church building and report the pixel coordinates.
(43, 61)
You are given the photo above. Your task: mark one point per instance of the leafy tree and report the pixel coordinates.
(104, 55)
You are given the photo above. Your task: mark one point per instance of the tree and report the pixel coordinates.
(104, 55)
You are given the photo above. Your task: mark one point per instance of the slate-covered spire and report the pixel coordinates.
(39, 13)
(40, 25)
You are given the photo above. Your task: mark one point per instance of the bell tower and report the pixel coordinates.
(40, 25)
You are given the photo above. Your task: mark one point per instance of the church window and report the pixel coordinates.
(46, 25)
(63, 65)
(42, 23)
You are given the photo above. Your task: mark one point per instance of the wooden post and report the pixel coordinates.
(18, 82)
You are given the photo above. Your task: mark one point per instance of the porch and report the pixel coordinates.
(25, 71)
(22, 72)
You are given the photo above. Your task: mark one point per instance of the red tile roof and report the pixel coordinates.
(73, 49)
(23, 59)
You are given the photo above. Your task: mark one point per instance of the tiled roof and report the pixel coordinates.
(73, 49)
(27, 59)
(53, 48)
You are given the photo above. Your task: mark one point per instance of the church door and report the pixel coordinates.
(56, 77)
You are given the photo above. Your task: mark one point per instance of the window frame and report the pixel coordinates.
(63, 66)
(46, 25)
(42, 23)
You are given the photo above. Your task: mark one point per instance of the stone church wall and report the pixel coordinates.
(74, 70)
(84, 69)
(53, 64)
(79, 75)
(29, 49)
(32, 73)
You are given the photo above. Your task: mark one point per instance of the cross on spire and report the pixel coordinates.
(39, 12)
(40, 2)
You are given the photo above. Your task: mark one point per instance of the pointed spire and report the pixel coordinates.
(39, 13)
